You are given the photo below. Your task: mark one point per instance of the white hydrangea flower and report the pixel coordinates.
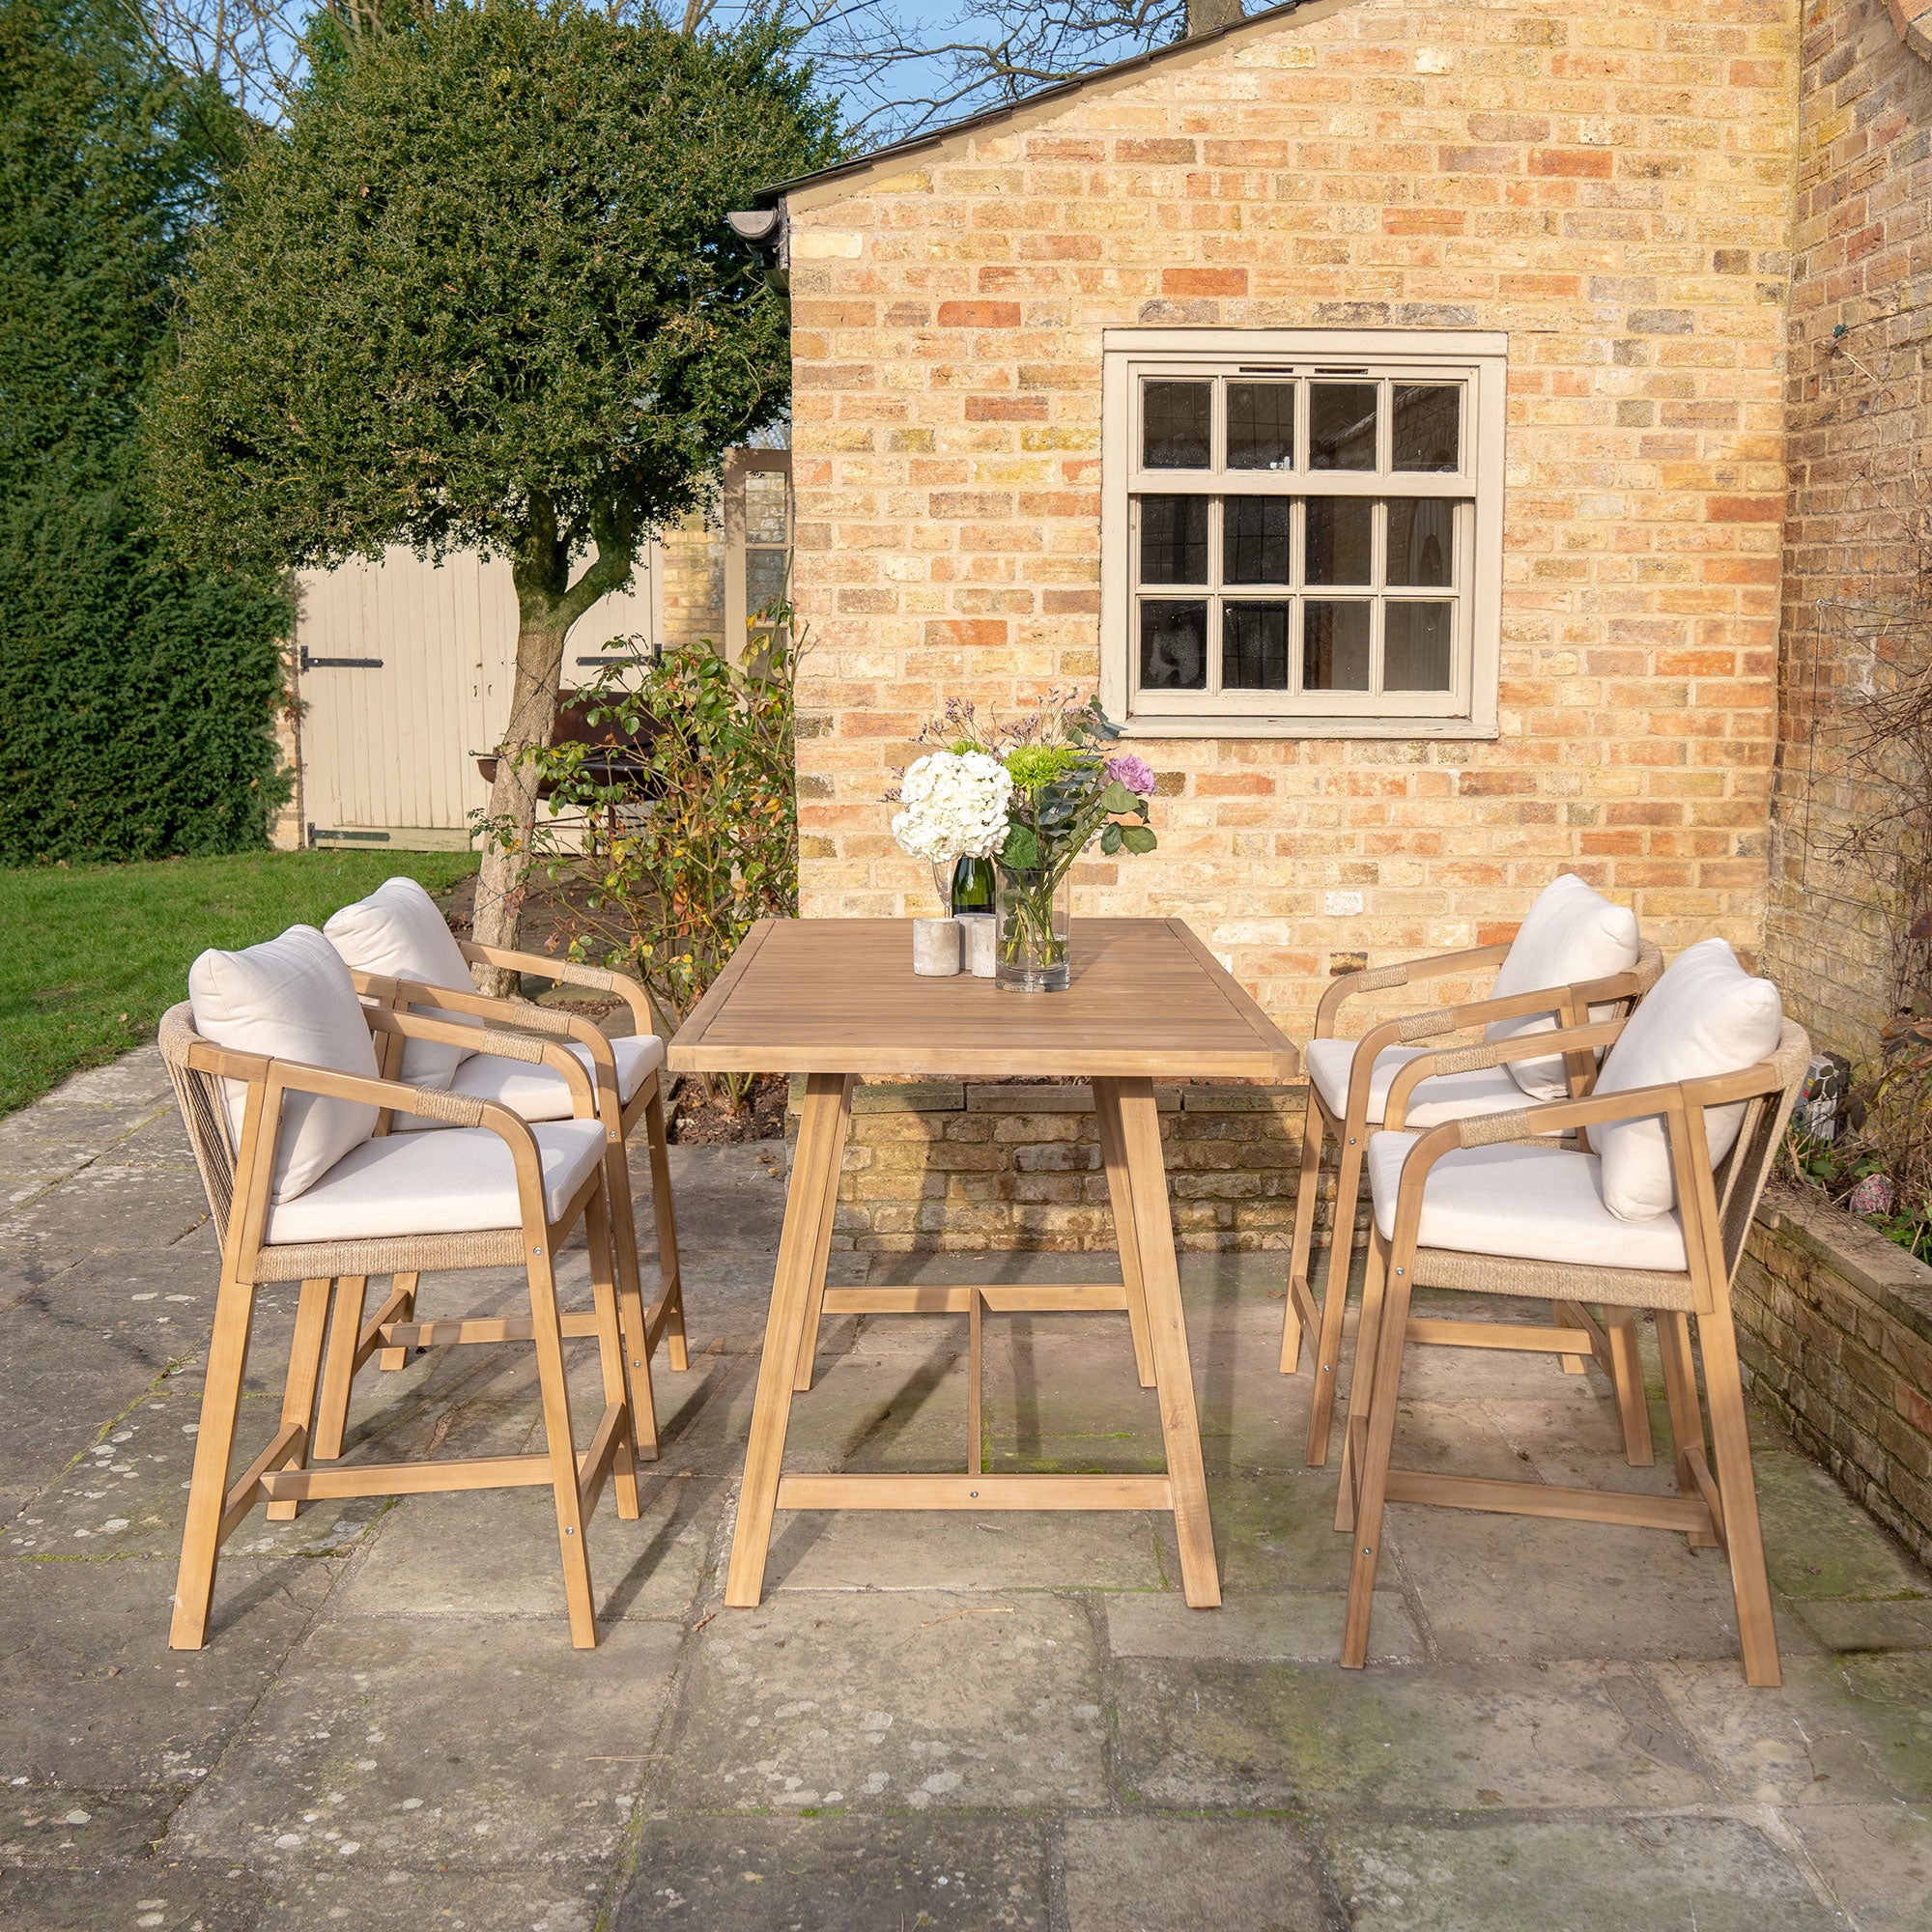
(952, 806)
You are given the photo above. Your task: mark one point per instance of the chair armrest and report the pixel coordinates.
(566, 972)
(499, 1044)
(1498, 1053)
(1403, 972)
(394, 994)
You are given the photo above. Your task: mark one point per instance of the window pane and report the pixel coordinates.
(1342, 426)
(1260, 425)
(1427, 426)
(1422, 534)
(764, 578)
(1174, 539)
(765, 491)
(1339, 529)
(1175, 425)
(1334, 646)
(1254, 647)
(1415, 645)
(1253, 539)
(1173, 645)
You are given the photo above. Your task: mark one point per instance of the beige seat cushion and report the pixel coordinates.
(290, 999)
(538, 1093)
(1571, 934)
(1535, 1203)
(397, 933)
(1705, 1016)
(456, 1183)
(1449, 1096)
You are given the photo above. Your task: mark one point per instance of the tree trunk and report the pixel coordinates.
(547, 605)
(1204, 15)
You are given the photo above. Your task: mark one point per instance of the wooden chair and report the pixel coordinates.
(1717, 1502)
(559, 1179)
(627, 1092)
(1462, 1086)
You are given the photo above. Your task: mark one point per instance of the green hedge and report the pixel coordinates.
(136, 698)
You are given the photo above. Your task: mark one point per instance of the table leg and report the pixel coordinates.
(1121, 1192)
(821, 1254)
(1167, 1336)
(814, 1174)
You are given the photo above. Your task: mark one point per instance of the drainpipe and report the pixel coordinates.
(768, 234)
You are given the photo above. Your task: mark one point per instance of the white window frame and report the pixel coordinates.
(1479, 360)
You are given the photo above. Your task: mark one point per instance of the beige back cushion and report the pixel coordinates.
(1707, 1016)
(1571, 935)
(291, 999)
(397, 933)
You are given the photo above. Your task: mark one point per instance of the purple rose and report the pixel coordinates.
(1136, 773)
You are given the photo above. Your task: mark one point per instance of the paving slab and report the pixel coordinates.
(1276, 1627)
(484, 1553)
(64, 1824)
(1859, 1625)
(873, 1874)
(543, 1899)
(90, 1695)
(1577, 1874)
(1875, 1858)
(877, 1702)
(1563, 1734)
(150, 1895)
(382, 1739)
(1180, 1874)
(1841, 1730)
(1818, 1543)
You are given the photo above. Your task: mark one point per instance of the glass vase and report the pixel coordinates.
(1032, 916)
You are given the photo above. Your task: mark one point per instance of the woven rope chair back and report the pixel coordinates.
(204, 1113)
(1744, 1172)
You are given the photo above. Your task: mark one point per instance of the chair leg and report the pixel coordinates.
(304, 1368)
(611, 1350)
(657, 1145)
(1375, 1284)
(214, 1444)
(1686, 1412)
(392, 1359)
(1314, 1139)
(1573, 1365)
(620, 1240)
(338, 1369)
(1335, 1295)
(1379, 1440)
(1627, 1373)
(1736, 1488)
(548, 1334)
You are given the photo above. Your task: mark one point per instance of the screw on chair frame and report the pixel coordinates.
(1716, 1499)
(1352, 1132)
(663, 1320)
(237, 1174)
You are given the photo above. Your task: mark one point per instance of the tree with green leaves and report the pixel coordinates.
(136, 695)
(483, 294)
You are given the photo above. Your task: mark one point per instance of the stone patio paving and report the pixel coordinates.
(932, 1722)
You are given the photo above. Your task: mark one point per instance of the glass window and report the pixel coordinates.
(1427, 426)
(1254, 646)
(1341, 425)
(1173, 645)
(1260, 425)
(1177, 426)
(1335, 646)
(1174, 539)
(1341, 539)
(1417, 645)
(1421, 541)
(1255, 539)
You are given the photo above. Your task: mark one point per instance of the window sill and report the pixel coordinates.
(1236, 726)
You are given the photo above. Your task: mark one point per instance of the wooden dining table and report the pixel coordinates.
(836, 999)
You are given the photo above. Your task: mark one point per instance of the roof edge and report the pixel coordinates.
(1277, 16)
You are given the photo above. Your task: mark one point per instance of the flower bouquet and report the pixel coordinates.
(1030, 798)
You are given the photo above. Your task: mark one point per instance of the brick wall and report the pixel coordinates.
(951, 1165)
(1860, 423)
(1611, 187)
(1838, 1338)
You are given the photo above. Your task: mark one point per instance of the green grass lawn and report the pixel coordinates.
(92, 956)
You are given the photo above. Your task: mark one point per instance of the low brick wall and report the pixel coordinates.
(959, 1165)
(1837, 1337)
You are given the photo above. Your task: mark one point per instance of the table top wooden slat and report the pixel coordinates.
(839, 996)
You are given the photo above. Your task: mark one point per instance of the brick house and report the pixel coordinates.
(1393, 411)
